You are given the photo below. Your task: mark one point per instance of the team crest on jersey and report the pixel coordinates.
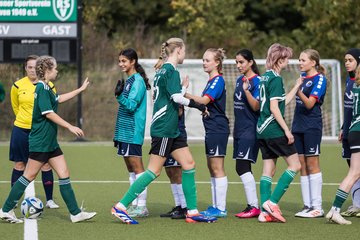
(35, 95)
(127, 88)
(238, 96)
(308, 84)
(349, 95)
(63, 9)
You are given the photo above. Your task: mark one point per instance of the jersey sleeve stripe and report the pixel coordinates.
(211, 98)
(46, 112)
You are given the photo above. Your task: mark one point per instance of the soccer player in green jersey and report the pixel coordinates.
(166, 138)
(354, 171)
(274, 136)
(43, 145)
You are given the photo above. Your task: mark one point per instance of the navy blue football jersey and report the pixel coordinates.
(310, 119)
(245, 118)
(217, 122)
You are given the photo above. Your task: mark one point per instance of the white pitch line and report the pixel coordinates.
(164, 182)
(30, 225)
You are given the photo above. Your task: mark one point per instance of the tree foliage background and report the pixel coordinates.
(330, 26)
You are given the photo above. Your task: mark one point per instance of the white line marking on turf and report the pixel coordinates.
(164, 182)
(30, 225)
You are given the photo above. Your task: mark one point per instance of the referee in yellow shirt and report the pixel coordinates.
(22, 102)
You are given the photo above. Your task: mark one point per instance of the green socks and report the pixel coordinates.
(265, 189)
(68, 195)
(340, 198)
(138, 187)
(15, 194)
(286, 178)
(189, 188)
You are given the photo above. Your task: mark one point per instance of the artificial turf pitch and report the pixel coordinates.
(100, 179)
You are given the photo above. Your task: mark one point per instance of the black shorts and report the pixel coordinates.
(354, 141)
(165, 146)
(272, 148)
(346, 152)
(45, 156)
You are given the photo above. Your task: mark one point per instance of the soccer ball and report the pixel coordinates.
(32, 207)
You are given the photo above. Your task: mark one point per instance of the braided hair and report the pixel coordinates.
(43, 64)
(167, 48)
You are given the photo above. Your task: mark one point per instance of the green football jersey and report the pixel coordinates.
(355, 122)
(43, 135)
(165, 114)
(271, 87)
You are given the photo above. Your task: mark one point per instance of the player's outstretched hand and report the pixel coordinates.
(77, 131)
(119, 87)
(185, 81)
(85, 84)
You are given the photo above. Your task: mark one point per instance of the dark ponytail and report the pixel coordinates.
(248, 55)
(131, 54)
(141, 70)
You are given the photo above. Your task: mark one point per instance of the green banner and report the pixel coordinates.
(38, 10)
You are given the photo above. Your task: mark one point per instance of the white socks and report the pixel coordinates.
(355, 193)
(311, 188)
(132, 178)
(250, 189)
(181, 196)
(219, 189)
(305, 190)
(142, 196)
(175, 193)
(316, 182)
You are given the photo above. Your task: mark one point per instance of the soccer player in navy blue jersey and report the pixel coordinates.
(173, 171)
(353, 174)
(130, 123)
(307, 130)
(352, 60)
(216, 129)
(246, 112)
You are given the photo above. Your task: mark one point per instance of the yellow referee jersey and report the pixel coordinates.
(22, 101)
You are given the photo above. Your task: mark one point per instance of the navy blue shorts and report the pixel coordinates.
(164, 146)
(19, 145)
(246, 149)
(354, 141)
(308, 143)
(129, 150)
(272, 148)
(45, 156)
(346, 153)
(171, 162)
(215, 144)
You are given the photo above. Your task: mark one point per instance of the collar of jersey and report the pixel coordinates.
(171, 65)
(306, 77)
(250, 78)
(273, 71)
(214, 77)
